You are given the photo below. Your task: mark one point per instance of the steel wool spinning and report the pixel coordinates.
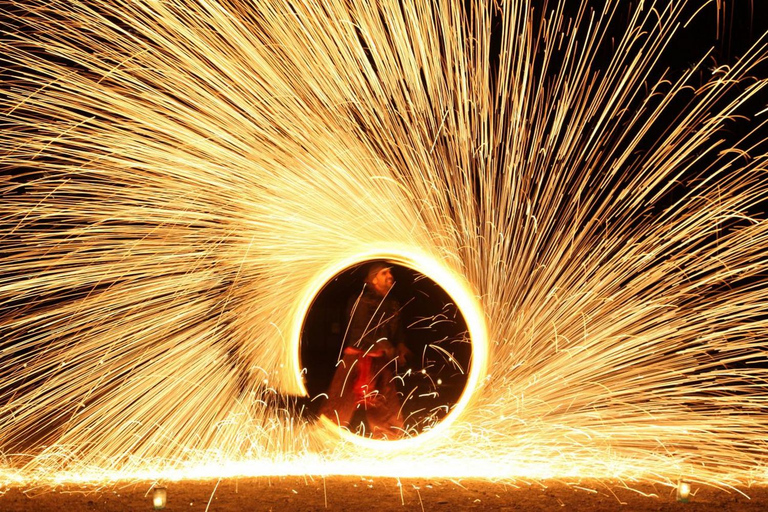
(181, 177)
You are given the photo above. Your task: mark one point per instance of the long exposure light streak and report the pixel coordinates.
(179, 174)
(464, 299)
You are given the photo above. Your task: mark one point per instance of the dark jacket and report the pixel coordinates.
(374, 322)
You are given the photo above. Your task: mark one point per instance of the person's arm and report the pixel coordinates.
(361, 330)
(355, 326)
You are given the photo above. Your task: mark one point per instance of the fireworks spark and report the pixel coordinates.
(182, 176)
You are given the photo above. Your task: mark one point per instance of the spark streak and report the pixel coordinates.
(179, 175)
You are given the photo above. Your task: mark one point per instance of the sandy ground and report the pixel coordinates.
(361, 494)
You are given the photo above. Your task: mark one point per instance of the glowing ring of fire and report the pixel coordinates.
(456, 287)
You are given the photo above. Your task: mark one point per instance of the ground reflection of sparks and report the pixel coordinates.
(180, 175)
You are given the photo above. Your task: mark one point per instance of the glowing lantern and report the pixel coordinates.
(683, 491)
(159, 497)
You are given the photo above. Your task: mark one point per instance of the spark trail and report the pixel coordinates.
(177, 174)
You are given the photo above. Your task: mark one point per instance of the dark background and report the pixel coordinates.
(429, 318)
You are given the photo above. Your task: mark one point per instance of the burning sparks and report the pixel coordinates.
(181, 177)
(455, 287)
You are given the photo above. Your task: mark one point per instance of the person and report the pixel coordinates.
(373, 347)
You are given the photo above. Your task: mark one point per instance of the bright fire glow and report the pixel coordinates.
(456, 289)
(181, 177)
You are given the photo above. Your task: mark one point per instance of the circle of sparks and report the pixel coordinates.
(467, 303)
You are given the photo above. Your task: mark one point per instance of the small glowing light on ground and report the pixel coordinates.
(159, 497)
(683, 491)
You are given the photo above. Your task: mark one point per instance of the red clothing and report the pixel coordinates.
(364, 375)
(365, 382)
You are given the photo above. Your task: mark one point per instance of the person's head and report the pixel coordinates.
(379, 277)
